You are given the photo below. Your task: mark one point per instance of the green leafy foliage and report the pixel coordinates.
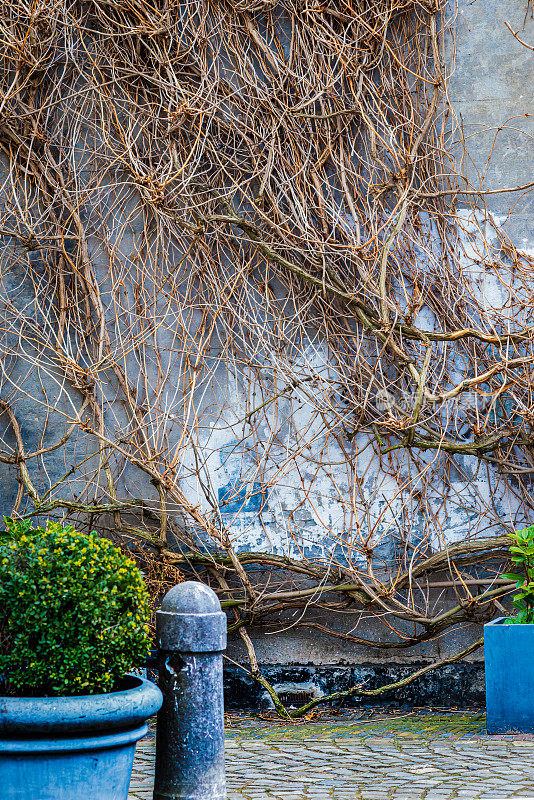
(522, 554)
(73, 612)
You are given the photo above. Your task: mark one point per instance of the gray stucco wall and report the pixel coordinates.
(491, 95)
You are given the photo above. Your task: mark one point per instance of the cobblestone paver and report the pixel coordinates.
(411, 757)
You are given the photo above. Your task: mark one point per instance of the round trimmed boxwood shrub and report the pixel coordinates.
(73, 612)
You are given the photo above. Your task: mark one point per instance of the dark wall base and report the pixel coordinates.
(455, 686)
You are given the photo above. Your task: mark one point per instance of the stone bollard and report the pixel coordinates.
(191, 636)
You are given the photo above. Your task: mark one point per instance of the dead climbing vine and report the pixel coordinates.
(255, 321)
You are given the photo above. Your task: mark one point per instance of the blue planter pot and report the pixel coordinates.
(73, 748)
(509, 666)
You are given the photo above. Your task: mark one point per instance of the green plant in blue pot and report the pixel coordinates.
(74, 616)
(522, 555)
(509, 647)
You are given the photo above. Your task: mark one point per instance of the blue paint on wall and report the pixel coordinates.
(238, 496)
(233, 498)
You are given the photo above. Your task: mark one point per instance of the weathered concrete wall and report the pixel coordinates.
(456, 686)
(492, 96)
(491, 93)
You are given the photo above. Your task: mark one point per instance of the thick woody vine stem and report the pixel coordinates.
(360, 691)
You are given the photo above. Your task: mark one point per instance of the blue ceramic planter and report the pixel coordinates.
(509, 657)
(73, 748)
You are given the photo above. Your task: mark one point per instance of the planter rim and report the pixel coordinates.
(501, 620)
(80, 714)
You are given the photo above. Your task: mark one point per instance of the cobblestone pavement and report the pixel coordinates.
(419, 756)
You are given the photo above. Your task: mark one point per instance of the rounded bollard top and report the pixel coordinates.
(190, 620)
(191, 597)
